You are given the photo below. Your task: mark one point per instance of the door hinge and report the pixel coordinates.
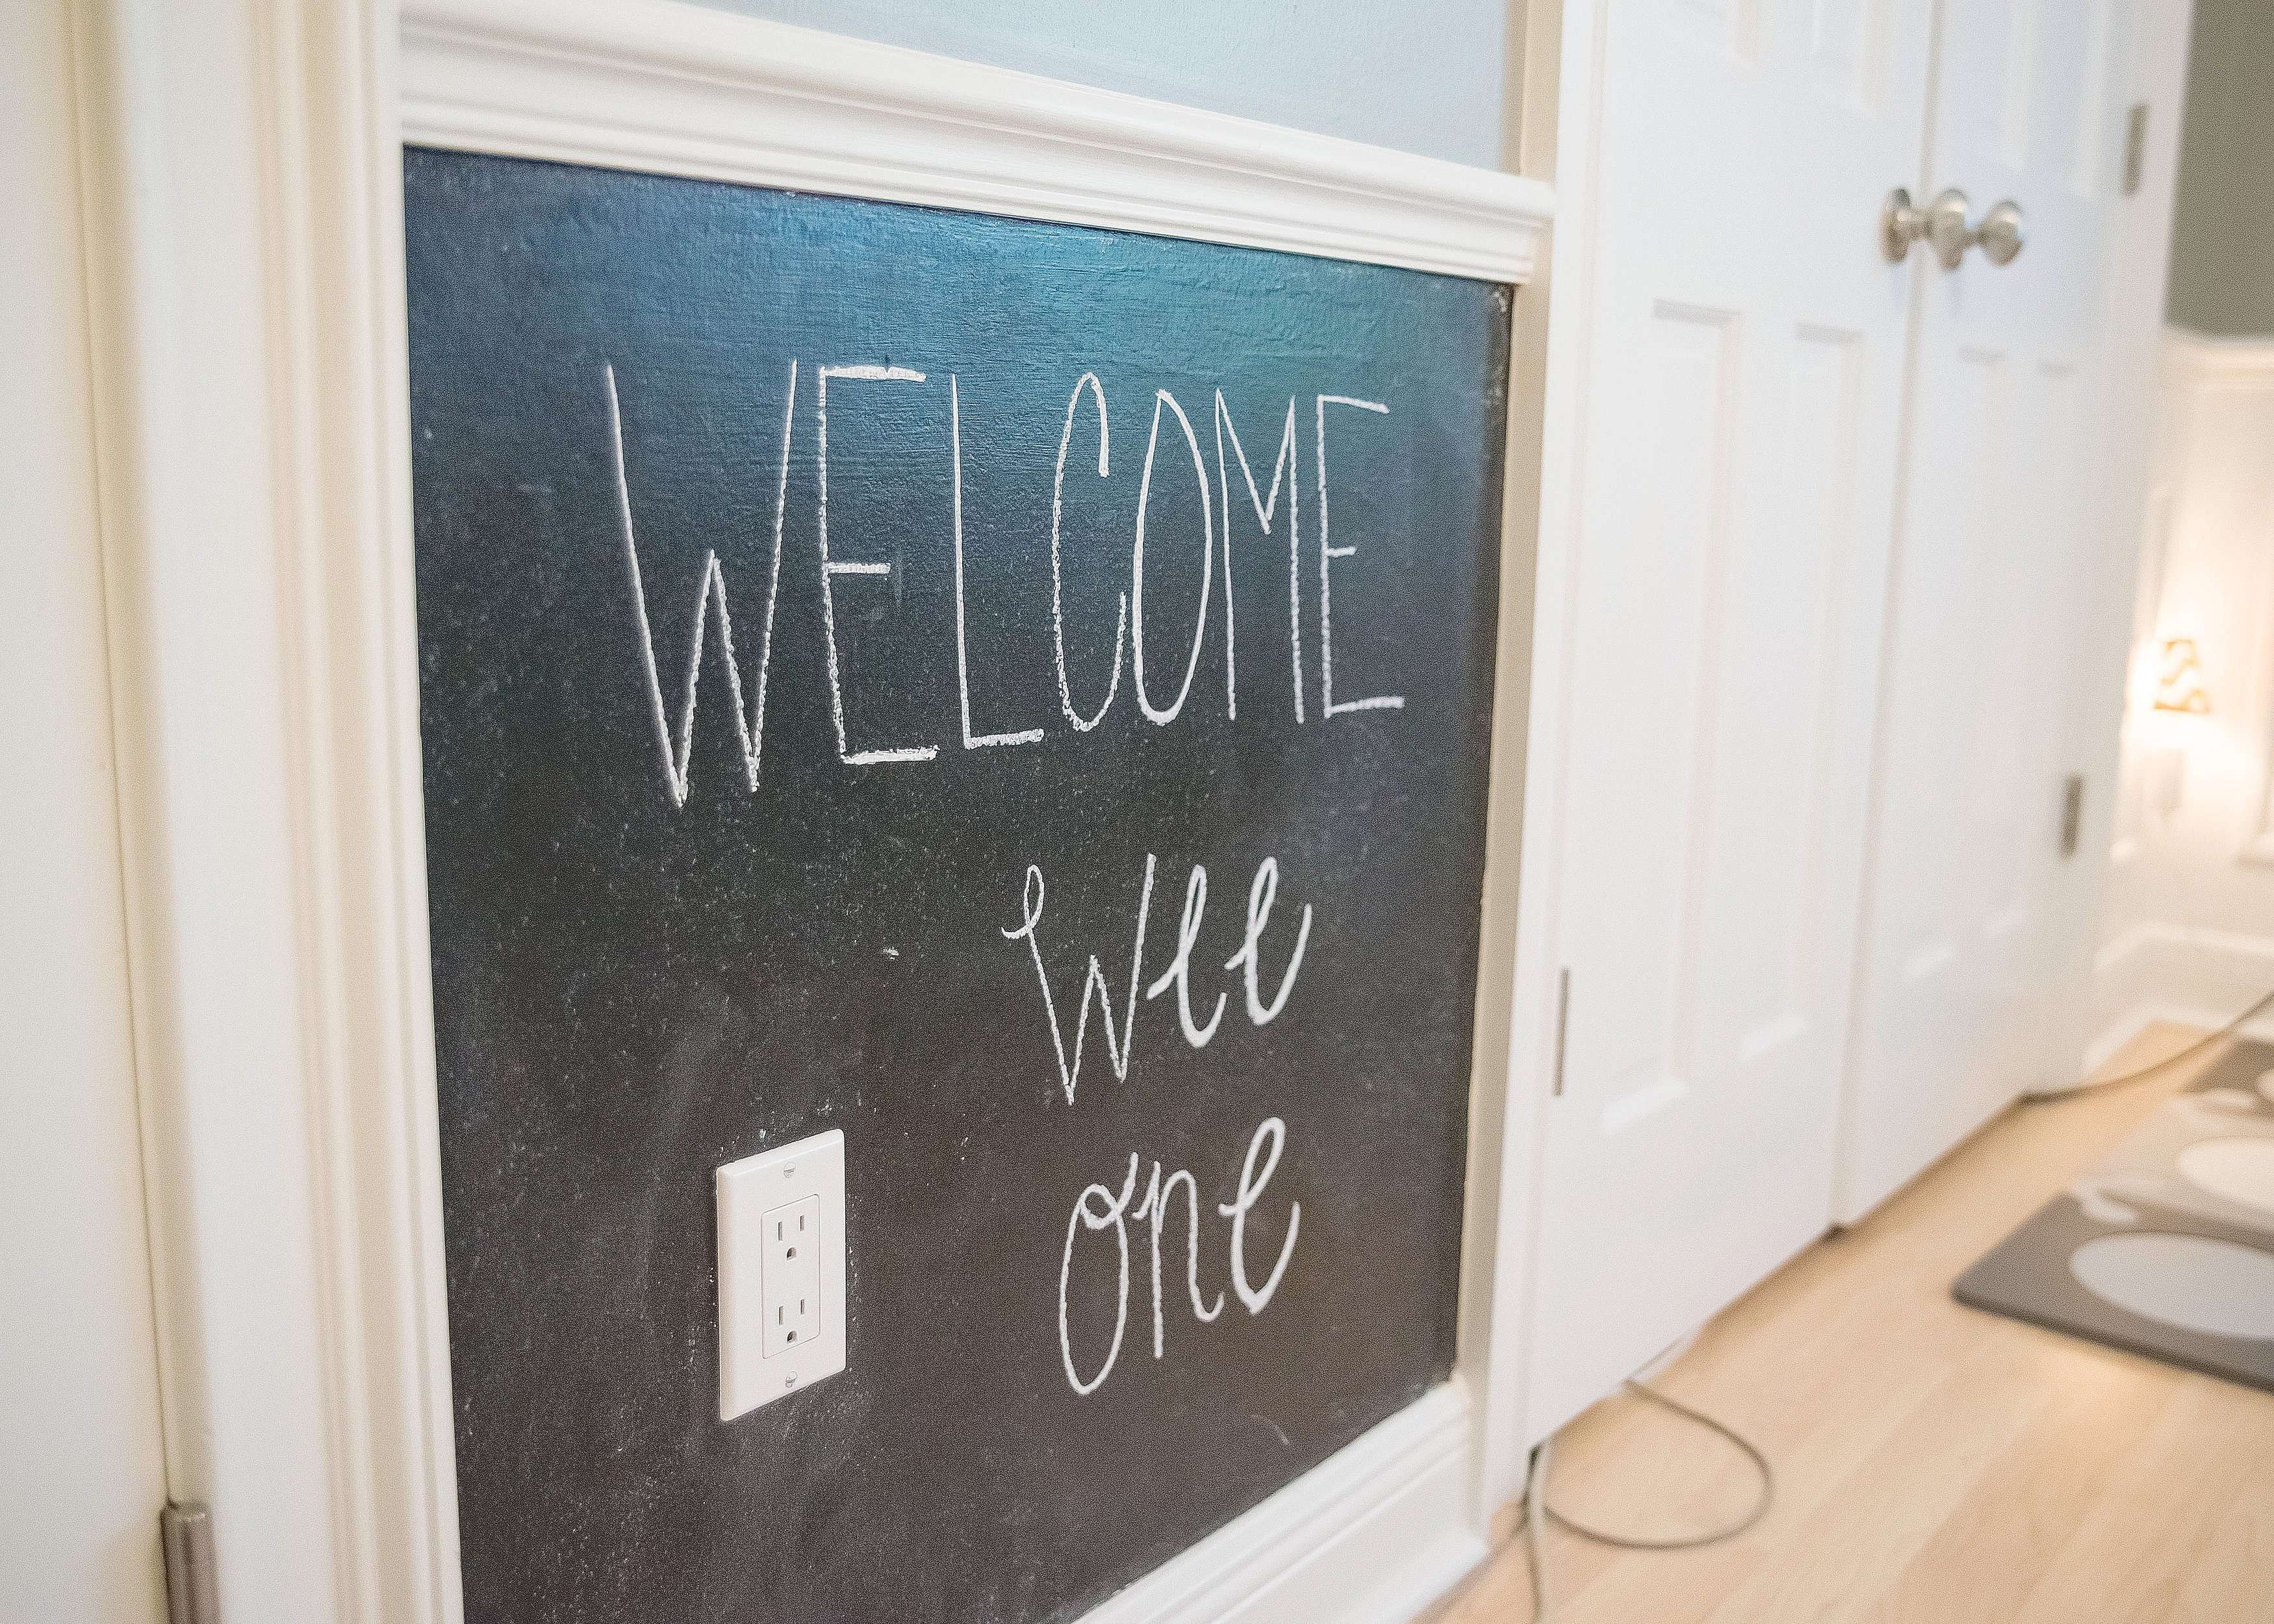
(192, 1596)
(2135, 148)
(2072, 812)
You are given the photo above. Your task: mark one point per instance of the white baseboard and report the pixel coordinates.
(1418, 1587)
(2204, 360)
(1374, 1535)
(2158, 971)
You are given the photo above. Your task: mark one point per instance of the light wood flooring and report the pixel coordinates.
(1935, 1465)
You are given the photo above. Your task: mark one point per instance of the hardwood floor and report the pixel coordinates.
(1934, 1465)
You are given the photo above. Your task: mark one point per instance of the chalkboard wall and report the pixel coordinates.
(1084, 596)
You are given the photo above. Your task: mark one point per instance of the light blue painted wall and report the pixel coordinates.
(2222, 228)
(1423, 79)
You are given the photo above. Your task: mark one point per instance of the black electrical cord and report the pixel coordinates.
(1538, 1513)
(1686, 1542)
(2054, 1096)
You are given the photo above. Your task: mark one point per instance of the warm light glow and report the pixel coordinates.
(2178, 678)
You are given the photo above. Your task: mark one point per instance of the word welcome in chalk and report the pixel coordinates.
(1099, 1208)
(749, 705)
(1263, 894)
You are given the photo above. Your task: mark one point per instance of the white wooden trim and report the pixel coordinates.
(1514, 991)
(1372, 1536)
(2099, 648)
(242, 172)
(1510, 1429)
(2158, 971)
(2201, 361)
(681, 89)
(241, 169)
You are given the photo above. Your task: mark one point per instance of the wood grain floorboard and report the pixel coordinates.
(1935, 1465)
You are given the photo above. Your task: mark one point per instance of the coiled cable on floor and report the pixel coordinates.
(1687, 1542)
(1538, 1513)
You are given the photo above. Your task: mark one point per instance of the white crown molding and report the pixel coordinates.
(679, 89)
(2201, 360)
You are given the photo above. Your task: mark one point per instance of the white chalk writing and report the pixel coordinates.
(675, 743)
(1100, 1208)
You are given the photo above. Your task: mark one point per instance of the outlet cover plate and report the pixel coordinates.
(747, 1190)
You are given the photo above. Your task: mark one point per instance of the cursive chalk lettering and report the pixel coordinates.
(1100, 1208)
(1262, 892)
(1179, 972)
(1093, 983)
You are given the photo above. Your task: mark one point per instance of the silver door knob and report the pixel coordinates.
(1940, 224)
(1946, 232)
(2000, 233)
(1900, 225)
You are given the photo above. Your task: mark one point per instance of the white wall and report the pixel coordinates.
(81, 1474)
(1423, 79)
(2190, 920)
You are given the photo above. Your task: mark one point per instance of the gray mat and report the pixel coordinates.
(2138, 1189)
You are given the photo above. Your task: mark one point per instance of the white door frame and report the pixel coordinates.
(242, 162)
(1560, 137)
(2100, 654)
(1552, 71)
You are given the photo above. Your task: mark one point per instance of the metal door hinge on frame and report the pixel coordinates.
(2072, 824)
(192, 1596)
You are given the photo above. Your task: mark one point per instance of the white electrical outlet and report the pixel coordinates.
(789, 1274)
(782, 1272)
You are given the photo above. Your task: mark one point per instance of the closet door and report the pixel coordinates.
(1742, 350)
(1996, 533)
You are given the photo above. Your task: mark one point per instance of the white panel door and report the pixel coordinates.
(1995, 538)
(1743, 353)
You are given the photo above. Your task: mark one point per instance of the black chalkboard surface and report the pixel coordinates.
(1238, 736)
